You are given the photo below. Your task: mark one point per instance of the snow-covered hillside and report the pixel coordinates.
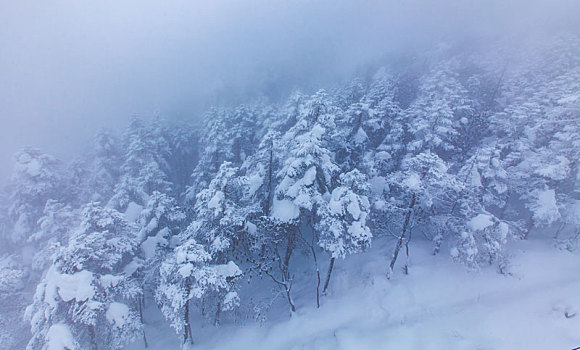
(430, 203)
(439, 305)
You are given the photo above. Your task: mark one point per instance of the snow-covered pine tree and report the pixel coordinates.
(538, 126)
(342, 224)
(4, 220)
(215, 145)
(145, 167)
(420, 190)
(230, 135)
(158, 223)
(306, 177)
(86, 300)
(37, 181)
(265, 235)
(218, 224)
(258, 180)
(188, 274)
(260, 175)
(441, 111)
(157, 226)
(105, 168)
(218, 217)
(480, 236)
(55, 228)
(184, 147)
(14, 297)
(37, 178)
(380, 109)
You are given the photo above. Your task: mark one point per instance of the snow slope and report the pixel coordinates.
(439, 305)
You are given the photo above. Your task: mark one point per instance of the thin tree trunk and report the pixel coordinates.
(558, 231)
(263, 251)
(288, 255)
(330, 267)
(289, 296)
(218, 311)
(187, 335)
(141, 306)
(529, 227)
(94, 345)
(317, 277)
(311, 245)
(286, 269)
(406, 268)
(438, 241)
(317, 287)
(400, 241)
(286, 281)
(270, 174)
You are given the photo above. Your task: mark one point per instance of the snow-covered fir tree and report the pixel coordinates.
(343, 226)
(37, 178)
(86, 300)
(187, 275)
(145, 167)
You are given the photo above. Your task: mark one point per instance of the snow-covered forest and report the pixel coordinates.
(458, 154)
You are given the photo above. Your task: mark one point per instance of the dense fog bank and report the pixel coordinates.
(70, 68)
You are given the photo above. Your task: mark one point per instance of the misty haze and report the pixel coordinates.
(289, 174)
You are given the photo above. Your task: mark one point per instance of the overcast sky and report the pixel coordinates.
(70, 67)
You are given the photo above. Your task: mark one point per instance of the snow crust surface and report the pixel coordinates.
(59, 337)
(77, 286)
(284, 210)
(439, 305)
(117, 314)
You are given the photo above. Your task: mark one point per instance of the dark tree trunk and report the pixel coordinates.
(330, 267)
(317, 287)
(559, 230)
(269, 189)
(187, 334)
(285, 282)
(290, 300)
(218, 311)
(270, 174)
(317, 271)
(289, 250)
(317, 268)
(402, 237)
(94, 345)
(529, 227)
(406, 268)
(286, 269)
(141, 306)
(438, 240)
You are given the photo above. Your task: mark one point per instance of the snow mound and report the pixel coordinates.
(117, 314)
(480, 222)
(77, 286)
(59, 337)
(133, 212)
(284, 210)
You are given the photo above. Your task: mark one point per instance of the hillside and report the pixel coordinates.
(431, 201)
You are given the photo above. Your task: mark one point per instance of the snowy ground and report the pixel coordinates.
(439, 305)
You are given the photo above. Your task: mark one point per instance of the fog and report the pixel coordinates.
(68, 68)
